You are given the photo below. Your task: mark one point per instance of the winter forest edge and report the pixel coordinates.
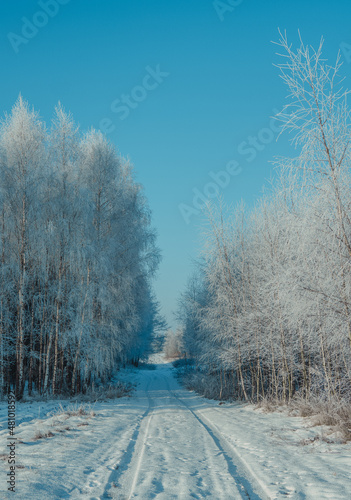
(266, 314)
(78, 255)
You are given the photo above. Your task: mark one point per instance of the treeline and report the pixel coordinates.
(77, 255)
(267, 314)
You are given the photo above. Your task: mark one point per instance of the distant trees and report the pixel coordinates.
(173, 345)
(269, 311)
(77, 256)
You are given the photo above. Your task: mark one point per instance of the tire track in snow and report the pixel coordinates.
(219, 489)
(125, 467)
(140, 458)
(94, 475)
(226, 448)
(260, 484)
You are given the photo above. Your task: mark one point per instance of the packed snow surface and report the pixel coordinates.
(168, 443)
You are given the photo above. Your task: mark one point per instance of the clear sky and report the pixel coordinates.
(180, 87)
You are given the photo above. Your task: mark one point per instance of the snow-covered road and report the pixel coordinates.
(177, 452)
(168, 443)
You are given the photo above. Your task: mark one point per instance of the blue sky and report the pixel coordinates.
(214, 91)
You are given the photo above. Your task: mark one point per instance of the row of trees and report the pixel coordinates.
(268, 311)
(77, 255)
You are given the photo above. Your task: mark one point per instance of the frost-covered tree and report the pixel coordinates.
(78, 255)
(269, 315)
(23, 163)
(173, 344)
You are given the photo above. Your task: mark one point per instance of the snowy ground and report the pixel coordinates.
(168, 443)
